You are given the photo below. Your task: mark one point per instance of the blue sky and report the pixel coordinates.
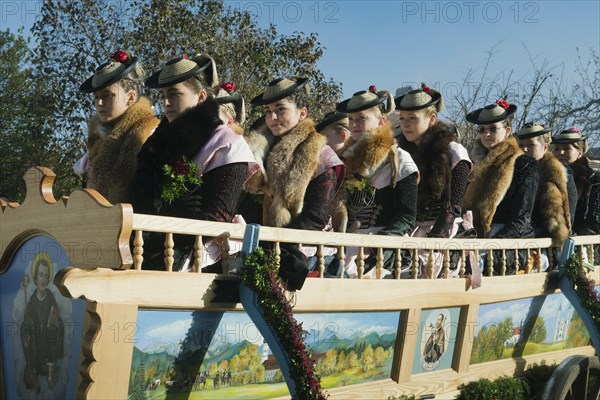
(388, 43)
(153, 326)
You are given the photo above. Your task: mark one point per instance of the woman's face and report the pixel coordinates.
(414, 124)
(112, 101)
(566, 153)
(533, 147)
(492, 134)
(283, 115)
(178, 98)
(364, 121)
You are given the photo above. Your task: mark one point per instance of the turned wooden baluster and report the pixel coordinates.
(169, 252)
(490, 263)
(463, 263)
(277, 253)
(414, 268)
(430, 264)
(379, 263)
(360, 262)
(321, 260)
(398, 264)
(138, 250)
(503, 263)
(446, 264)
(198, 248)
(341, 255)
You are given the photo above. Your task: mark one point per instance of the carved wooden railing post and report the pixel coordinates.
(106, 351)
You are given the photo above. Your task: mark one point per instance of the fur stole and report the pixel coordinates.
(113, 152)
(371, 153)
(492, 178)
(553, 202)
(171, 142)
(432, 156)
(237, 128)
(478, 153)
(362, 159)
(183, 137)
(288, 164)
(582, 173)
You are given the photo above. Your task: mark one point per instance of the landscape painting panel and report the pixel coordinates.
(502, 328)
(204, 355)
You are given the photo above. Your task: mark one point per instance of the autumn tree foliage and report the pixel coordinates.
(44, 115)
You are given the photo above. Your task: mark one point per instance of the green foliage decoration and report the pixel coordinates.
(260, 275)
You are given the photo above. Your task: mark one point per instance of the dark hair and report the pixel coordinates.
(507, 122)
(198, 83)
(300, 97)
(41, 262)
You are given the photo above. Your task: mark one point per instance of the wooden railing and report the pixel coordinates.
(339, 241)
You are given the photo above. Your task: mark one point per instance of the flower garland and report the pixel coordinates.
(177, 178)
(260, 275)
(574, 270)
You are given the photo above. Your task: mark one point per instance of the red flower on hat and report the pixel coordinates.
(185, 56)
(543, 126)
(573, 130)
(424, 87)
(120, 56)
(373, 89)
(503, 103)
(228, 86)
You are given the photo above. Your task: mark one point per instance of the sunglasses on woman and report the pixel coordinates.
(492, 129)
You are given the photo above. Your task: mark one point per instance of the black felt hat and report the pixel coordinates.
(279, 89)
(418, 99)
(492, 113)
(180, 69)
(366, 99)
(332, 118)
(112, 71)
(568, 136)
(531, 130)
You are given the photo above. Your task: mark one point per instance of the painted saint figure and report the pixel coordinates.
(42, 330)
(436, 343)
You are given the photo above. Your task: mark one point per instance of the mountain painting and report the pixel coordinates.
(210, 355)
(528, 326)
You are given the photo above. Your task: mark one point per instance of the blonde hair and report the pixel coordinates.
(437, 107)
(544, 138)
(133, 80)
(229, 110)
(583, 146)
